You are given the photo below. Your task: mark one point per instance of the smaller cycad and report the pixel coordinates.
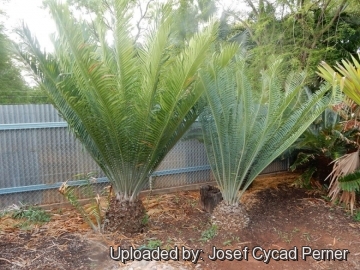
(246, 126)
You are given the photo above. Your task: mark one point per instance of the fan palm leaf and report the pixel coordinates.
(245, 130)
(345, 179)
(128, 103)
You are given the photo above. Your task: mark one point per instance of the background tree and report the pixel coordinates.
(304, 32)
(13, 88)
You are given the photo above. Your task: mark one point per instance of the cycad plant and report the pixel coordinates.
(246, 126)
(127, 102)
(324, 141)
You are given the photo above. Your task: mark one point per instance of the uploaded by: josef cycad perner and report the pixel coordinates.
(258, 253)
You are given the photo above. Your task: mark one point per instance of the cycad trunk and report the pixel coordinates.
(124, 216)
(230, 216)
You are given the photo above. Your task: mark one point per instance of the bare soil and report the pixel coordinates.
(281, 217)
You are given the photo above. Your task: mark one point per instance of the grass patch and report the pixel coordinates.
(209, 234)
(357, 216)
(152, 244)
(32, 214)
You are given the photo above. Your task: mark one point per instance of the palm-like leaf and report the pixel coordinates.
(244, 131)
(127, 103)
(347, 75)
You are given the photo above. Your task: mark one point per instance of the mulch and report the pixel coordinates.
(281, 216)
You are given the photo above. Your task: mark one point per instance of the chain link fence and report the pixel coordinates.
(38, 153)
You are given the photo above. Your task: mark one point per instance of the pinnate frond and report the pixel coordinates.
(247, 126)
(127, 102)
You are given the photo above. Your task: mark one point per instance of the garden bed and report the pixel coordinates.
(281, 217)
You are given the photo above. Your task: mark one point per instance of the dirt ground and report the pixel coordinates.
(282, 217)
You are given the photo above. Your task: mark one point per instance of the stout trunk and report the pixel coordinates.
(229, 216)
(124, 216)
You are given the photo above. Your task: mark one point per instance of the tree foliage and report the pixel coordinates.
(304, 32)
(190, 14)
(13, 88)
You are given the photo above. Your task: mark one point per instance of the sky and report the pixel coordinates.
(31, 13)
(39, 21)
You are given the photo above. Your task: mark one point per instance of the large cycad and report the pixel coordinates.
(127, 102)
(246, 125)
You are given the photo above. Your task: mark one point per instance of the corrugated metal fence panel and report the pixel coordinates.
(29, 113)
(34, 156)
(277, 165)
(185, 154)
(41, 156)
